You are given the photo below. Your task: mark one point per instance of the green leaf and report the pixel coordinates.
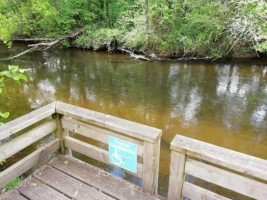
(66, 162)
(5, 115)
(34, 184)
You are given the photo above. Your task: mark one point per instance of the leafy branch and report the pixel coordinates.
(13, 73)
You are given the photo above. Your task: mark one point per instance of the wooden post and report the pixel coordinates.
(67, 151)
(151, 166)
(59, 132)
(176, 175)
(62, 134)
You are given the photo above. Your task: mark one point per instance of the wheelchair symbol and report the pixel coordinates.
(117, 159)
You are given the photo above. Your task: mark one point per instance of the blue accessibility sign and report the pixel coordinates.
(122, 154)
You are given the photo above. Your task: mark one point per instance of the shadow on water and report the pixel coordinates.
(221, 103)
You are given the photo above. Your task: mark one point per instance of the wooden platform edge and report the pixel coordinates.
(28, 162)
(134, 129)
(20, 123)
(234, 160)
(83, 176)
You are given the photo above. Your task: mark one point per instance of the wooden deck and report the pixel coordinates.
(67, 178)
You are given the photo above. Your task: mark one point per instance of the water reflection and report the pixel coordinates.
(224, 104)
(46, 87)
(223, 79)
(234, 81)
(258, 118)
(193, 106)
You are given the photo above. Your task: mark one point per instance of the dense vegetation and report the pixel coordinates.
(192, 28)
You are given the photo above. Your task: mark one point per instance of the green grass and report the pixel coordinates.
(13, 183)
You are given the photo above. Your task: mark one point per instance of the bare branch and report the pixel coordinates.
(47, 45)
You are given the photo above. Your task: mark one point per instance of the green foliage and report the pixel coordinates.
(73, 14)
(2, 162)
(98, 39)
(178, 27)
(15, 73)
(248, 25)
(13, 184)
(191, 28)
(135, 39)
(8, 26)
(3, 116)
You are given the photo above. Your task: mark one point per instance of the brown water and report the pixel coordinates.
(221, 103)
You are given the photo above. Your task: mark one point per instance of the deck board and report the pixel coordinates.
(68, 185)
(100, 179)
(34, 189)
(13, 195)
(66, 178)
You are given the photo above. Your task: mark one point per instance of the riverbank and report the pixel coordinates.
(135, 54)
(164, 29)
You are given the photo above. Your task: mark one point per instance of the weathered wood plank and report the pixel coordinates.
(28, 162)
(19, 143)
(96, 153)
(151, 167)
(68, 151)
(96, 133)
(59, 132)
(227, 158)
(20, 123)
(36, 190)
(104, 181)
(12, 195)
(130, 128)
(194, 192)
(176, 178)
(68, 185)
(226, 179)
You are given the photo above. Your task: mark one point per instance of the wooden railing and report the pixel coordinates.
(99, 126)
(232, 170)
(94, 125)
(228, 169)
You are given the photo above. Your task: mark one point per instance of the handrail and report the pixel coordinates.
(92, 124)
(27, 120)
(88, 123)
(183, 147)
(234, 160)
(130, 128)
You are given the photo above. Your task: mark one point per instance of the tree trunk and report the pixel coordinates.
(147, 26)
(57, 5)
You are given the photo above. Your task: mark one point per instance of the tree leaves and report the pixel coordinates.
(14, 73)
(248, 24)
(177, 27)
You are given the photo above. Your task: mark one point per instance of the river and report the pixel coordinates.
(223, 103)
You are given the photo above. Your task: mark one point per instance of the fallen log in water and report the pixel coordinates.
(138, 57)
(31, 39)
(45, 45)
